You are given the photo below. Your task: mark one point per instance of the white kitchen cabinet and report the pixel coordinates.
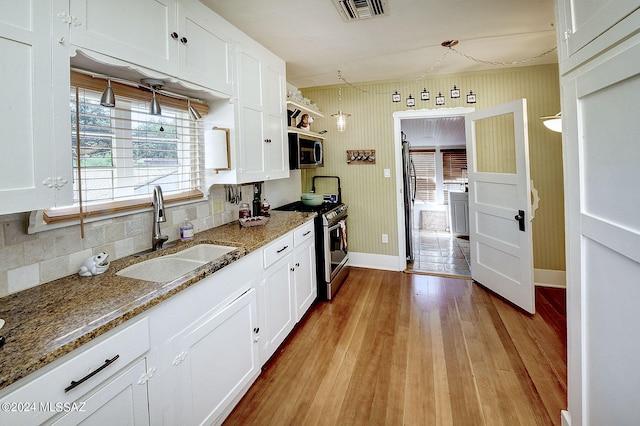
(288, 288)
(89, 383)
(305, 279)
(122, 401)
(205, 346)
(581, 22)
(600, 83)
(459, 213)
(176, 37)
(262, 151)
(35, 166)
(217, 358)
(277, 296)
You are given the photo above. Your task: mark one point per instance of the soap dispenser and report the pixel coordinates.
(186, 230)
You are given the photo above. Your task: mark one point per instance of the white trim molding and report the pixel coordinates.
(375, 261)
(549, 278)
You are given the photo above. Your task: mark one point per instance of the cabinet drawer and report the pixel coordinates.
(278, 249)
(302, 233)
(102, 359)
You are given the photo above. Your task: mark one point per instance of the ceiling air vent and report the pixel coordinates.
(355, 10)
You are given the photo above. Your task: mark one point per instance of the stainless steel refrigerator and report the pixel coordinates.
(409, 191)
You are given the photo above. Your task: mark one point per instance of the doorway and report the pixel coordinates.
(435, 137)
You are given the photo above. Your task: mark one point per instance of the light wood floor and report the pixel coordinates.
(404, 349)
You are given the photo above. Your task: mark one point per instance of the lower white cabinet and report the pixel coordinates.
(306, 287)
(215, 360)
(288, 288)
(122, 401)
(102, 382)
(459, 213)
(186, 361)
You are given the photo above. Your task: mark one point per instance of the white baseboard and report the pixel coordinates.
(566, 418)
(549, 278)
(375, 261)
(541, 277)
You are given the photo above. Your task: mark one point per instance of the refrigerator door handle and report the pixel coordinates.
(415, 180)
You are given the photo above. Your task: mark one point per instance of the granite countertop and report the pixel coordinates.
(48, 321)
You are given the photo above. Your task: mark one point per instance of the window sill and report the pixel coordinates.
(45, 220)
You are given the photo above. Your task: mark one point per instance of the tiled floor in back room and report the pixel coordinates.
(440, 253)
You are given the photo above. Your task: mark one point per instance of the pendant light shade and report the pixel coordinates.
(155, 106)
(553, 122)
(341, 120)
(108, 98)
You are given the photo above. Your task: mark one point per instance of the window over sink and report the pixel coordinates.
(120, 154)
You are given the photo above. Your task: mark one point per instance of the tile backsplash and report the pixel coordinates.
(27, 260)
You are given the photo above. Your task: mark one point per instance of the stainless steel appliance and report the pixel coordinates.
(332, 254)
(305, 151)
(409, 191)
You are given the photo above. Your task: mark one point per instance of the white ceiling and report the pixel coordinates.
(405, 44)
(437, 131)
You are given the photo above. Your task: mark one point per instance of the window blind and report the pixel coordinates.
(454, 168)
(425, 175)
(124, 152)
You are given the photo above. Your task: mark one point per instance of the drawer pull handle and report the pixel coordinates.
(306, 233)
(74, 383)
(282, 249)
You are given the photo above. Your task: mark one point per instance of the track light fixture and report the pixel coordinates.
(108, 98)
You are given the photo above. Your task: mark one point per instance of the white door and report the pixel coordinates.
(499, 203)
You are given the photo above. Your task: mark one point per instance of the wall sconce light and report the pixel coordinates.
(425, 96)
(553, 122)
(411, 102)
(439, 99)
(395, 97)
(455, 92)
(193, 113)
(108, 98)
(341, 117)
(471, 97)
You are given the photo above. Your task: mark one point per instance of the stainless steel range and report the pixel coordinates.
(332, 252)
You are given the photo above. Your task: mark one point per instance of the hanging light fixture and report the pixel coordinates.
(154, 85)
(341, 117)
(108, 98)
(553, 122)
(193, 113)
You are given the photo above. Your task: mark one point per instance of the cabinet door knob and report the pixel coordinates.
(174, 35)
(183, 40)
(292, 269)
(297, 264)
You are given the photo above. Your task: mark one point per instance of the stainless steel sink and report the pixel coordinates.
(172, 266)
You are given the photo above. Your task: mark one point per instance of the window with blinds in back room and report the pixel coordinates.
(123, 152)
(429, 179)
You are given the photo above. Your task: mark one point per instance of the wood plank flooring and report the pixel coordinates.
(405, 349)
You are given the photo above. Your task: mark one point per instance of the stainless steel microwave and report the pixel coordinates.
(305, 151)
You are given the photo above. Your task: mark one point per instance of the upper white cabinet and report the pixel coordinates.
(169, 36)
(262, 153)
(582, 22)
(35, 165)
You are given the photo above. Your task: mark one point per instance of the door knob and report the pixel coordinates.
(520, 218)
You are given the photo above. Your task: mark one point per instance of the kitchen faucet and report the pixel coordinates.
(158, 216)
